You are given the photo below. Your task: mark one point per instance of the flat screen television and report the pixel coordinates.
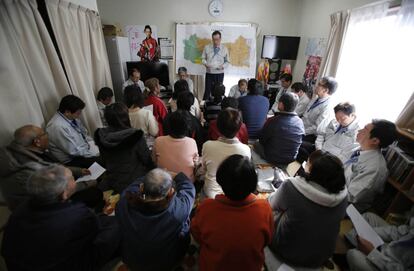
(280, 47)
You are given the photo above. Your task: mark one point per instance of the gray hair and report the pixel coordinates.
(47, 183)
(157, 183)
(25, 135)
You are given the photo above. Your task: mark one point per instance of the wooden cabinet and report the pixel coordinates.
(399, 191)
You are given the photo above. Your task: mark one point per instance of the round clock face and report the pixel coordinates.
(215, 8)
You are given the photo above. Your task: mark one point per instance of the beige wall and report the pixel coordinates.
(304, 18)
(271, 15)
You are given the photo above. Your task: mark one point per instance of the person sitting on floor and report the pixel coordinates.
(308, 213)
(282, 134)
(179, 87)
(317, 115)
(238, 90)
(319, 108)
(154, 218)
(339, 137)
(176, 152)
(215, 152)
(104, 98)
(233, 229)
(183, 75)
(22, 157)
(134, 79)
(195, 131)
(396, 254)
(214, 133)
(152, 91)
(366, 171)
(212, 106)
(50, 232)
(254, 108)
(300, 90)
(285, 82)
(140, 117)
(123, 149)
(68, 138)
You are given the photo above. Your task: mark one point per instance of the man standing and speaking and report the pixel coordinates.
(215, 59)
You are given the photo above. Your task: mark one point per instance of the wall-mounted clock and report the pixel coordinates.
(215, 8)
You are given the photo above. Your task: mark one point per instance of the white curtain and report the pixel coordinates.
(406, 21)
(32, 80)
(375, 70)
(80, 40)
(339, 25)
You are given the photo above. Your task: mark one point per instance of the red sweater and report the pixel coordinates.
(214, 134)
(159, 110)
(232, 234)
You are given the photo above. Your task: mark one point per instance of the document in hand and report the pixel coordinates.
(96, 171)
(362, 227)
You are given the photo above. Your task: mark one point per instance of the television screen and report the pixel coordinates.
(280, 47)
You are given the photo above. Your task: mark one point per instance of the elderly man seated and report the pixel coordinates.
(49, 232)
(154, 218)
(22, 157)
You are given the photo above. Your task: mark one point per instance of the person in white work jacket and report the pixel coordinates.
(339, 137)
(215, 58)
(300, 90)
(366, 171)
(285, 82)
(317, 115)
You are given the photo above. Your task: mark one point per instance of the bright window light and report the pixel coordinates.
(375, 71)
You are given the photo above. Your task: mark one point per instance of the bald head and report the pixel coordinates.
(30, 135)
(157, 183)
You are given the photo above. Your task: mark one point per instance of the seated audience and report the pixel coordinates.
(158, 107)
(282, 134)
(154, 218)
(339, 137)
(213, 132)
(183, 75)
(176, 152)
(68, 138)
(27, 153)
(308, 213)
(179, 87)
(319, 108)
(215, 152)
(285, 82)
(123, 150)
(396, 254)
(366, 171)
(254, 108)
(50, 232)
(140, 117)
(238, 90)
(104, 98)
(213, 105)
(195, 131)
(134, 79)
(304, 100)
(233, 228)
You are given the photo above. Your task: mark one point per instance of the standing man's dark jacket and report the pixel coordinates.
(281, 137)
(58, 236)
(125, 154)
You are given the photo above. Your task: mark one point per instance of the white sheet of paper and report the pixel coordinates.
(285, 267)
(96, 171)
(362, 227)
(265, 174)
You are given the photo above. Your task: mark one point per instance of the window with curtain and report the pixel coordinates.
(375, 69)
